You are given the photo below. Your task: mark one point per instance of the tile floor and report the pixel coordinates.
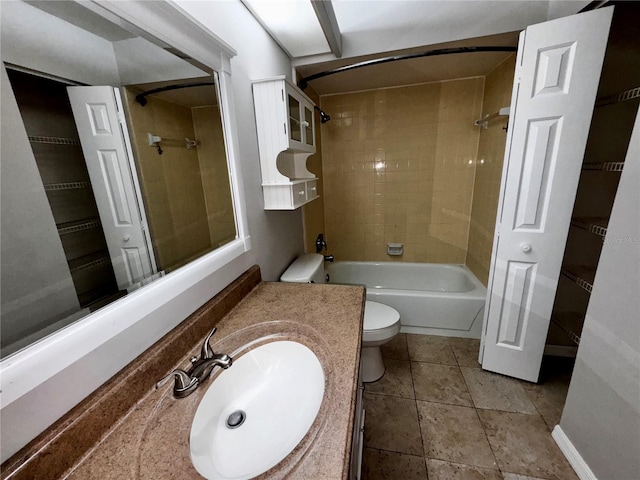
(436, 414)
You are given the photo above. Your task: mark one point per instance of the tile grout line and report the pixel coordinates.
(475, 409)
(392, 451)
(390, 395)
(528, 395)
(423, 457)
(415, 403)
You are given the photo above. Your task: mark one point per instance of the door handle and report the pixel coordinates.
(126, 238)
(525, 247)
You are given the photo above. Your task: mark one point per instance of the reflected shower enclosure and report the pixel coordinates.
(101, 195)
(178, 144)
(179, 187)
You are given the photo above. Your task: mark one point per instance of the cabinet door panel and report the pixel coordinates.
(295, 132)
(308, 126)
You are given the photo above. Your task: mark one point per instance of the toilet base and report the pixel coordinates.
(371, 364)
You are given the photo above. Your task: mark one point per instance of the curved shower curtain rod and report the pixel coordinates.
(143, 101)
(303, 83)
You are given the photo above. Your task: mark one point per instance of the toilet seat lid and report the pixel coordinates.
(378, 316)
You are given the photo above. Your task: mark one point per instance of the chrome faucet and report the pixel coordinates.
(187, 382)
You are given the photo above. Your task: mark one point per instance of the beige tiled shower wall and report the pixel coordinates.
(171, 183)
(212, 156)
(486, 190)
(398, 167)
(314, 211)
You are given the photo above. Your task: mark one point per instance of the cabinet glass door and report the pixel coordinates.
(308, 126)
(294, 120)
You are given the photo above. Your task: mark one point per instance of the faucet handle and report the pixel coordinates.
(183, 380)
(206, 351)
(320, 243)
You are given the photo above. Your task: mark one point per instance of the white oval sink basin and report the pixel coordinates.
(279, 386)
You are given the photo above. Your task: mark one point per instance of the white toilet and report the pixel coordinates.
(381, 322)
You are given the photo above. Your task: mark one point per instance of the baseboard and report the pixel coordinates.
(573, 456)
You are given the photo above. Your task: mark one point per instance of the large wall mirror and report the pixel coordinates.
(122, 177)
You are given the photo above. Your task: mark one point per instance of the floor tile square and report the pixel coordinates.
(440, 470)
(466, 351)
(396, 380)
(497, 392)
(396, 348)
(549, 401)
(440, 383)
(513, 476)
(391, 423)
(522, 445)
(430, 349)
(550, 394)
(454, 434)
(381, 465)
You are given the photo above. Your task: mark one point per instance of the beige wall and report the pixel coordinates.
(398, 166)
(171, 182)
(486, 189)
(313, 213)
(212, 157)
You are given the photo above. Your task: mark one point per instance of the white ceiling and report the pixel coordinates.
(380, 28)
(372, 26)
(82, 17)
(292, 23)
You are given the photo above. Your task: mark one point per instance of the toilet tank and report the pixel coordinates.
(308, 268)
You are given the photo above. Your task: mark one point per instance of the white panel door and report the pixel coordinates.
(114, 184)
(556, 80)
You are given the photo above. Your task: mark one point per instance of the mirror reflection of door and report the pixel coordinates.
(112, 174)
(84, 224)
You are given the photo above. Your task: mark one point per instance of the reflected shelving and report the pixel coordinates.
(581, 275)
(595, 225)
(603, 166)
(630, 94)
(74, 227)
(50, 187)
(53, 140)
(570, 323)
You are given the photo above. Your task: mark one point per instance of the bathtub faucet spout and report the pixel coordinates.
(329, 258)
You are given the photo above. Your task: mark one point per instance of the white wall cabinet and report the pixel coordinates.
(286, 138)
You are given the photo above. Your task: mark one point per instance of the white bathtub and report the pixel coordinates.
(434, 299)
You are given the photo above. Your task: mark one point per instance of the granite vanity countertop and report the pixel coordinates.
(152, 440)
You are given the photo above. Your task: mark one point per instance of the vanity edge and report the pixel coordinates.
(56, 451)
(81, 444)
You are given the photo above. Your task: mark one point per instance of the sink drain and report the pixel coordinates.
(236, 419)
